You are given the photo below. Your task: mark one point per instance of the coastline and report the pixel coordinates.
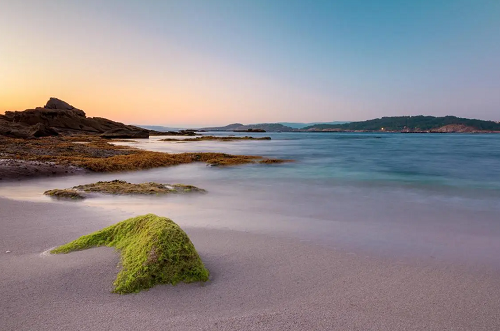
(257, 282)
(20, 158)
(260, 280)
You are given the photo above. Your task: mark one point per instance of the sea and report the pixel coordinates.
(424, 196)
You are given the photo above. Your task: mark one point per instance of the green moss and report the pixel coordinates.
(65, 194)
(123, 187)
(183, 188)
(98, 155)
(154, 250)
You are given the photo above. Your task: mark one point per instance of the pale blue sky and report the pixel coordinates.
(215, 62)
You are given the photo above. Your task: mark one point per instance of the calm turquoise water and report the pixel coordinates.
(463, 163)
(420, 195)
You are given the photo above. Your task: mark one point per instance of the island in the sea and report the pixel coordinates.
(404, 124)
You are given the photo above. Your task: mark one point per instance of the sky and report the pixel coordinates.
(201, 63)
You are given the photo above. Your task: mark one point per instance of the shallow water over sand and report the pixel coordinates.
(425, 196)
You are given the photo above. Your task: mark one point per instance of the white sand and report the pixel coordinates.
(258, 283)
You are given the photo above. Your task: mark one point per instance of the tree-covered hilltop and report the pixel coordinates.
(409, 123)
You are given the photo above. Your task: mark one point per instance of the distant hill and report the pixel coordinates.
(296, 125)
(158, 128)
(269, 127)
(413, 124)
(229, 127)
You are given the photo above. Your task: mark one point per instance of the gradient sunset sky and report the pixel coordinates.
(208, 62)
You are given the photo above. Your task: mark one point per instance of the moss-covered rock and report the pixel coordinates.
(274, 161)
(122, 187)
(65, 194)
(154, 250)
(99, 155)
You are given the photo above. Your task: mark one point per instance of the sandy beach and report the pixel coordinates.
(258, 282)
(249, 165)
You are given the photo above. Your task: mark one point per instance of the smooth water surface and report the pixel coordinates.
(422, 195)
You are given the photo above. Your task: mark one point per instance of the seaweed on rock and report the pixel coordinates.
(65, 194)
(118, 187)
(154, 250)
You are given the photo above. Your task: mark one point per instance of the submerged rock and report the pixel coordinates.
(216, 138)
(122, 187)
(274, 161)
(65, 194)
(154, 250)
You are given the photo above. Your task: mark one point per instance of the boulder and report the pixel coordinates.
(41, 130)
(154, 250)
(55, 103)
(13, 130)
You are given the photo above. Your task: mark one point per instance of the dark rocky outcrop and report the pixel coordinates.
(173, 133)
(261, 127)
(120, 133)
(55, 103)
(250, 130)
(59, 117)
(13, 130)
(42, 130)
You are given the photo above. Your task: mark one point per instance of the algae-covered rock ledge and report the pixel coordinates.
(154, 250)
(95, 154)
(216, 138)
(120, 187)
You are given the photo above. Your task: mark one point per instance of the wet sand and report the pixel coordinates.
(258, 282)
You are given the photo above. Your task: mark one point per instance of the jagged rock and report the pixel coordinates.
(13, 130)
(125, 133)
(59, 117)
(17, 130)
(55, 103)
(41, 130)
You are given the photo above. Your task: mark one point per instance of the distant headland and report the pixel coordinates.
(404, 124)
